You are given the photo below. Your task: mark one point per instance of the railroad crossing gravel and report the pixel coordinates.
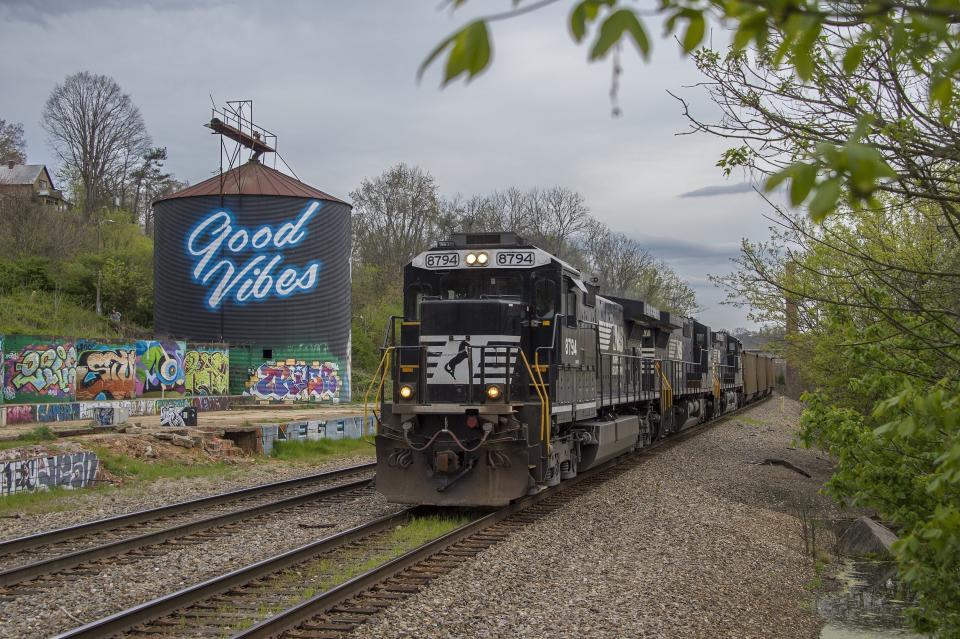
(697, 542)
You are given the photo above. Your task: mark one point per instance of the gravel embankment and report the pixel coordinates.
(696, 542)
(90, 505)
(50, 609)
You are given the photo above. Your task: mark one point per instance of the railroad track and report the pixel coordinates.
(42, 556)
(275, 597)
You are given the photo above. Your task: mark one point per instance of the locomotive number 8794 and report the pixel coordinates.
(512, 373)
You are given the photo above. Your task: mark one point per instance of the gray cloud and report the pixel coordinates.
(710, 191)
(337, 82)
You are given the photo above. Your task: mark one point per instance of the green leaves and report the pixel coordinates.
(618, 23)
(469, 53)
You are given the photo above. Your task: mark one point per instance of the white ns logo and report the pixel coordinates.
(569, 346)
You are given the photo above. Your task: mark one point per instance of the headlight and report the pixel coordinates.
(471, 258)
(406, 391)
(493, 392)
(482, 258)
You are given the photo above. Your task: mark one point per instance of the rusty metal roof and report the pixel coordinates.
(252, 178)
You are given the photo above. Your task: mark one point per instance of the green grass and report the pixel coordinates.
(135, 473)
(329, 573)
(49, 313)
(130, 468)
(35, 436)
(318, 450)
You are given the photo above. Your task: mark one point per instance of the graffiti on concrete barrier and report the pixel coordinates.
(160, 370)
(204, 403)
(42, 372)
(296, 380)
(351, 427)
(73, 470)
(207, 371)
(20, 415)
(177, 417)
(58, 412)
(103, 416)
(106, 371)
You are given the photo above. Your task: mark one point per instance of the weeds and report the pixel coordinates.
(141, 471)
(36, 436)
(316, 450)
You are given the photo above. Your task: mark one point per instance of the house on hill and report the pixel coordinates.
(30, 181)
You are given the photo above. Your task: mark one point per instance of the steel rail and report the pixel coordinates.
(325, 601)
(126, 619)
(70, 560)
(120, 521)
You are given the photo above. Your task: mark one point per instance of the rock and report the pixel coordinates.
(150, 452)
(167, 437)
(866, 537)
(183, 441)
(133, 430)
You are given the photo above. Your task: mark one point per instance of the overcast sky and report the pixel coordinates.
(336, 80)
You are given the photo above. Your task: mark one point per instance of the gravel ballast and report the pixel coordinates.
(699, 541)
(87, 505)
(47, 609)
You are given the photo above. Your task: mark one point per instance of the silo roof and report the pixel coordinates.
(252, 178)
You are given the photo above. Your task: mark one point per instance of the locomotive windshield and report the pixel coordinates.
(477, 285)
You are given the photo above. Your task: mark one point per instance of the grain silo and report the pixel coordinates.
(260, 260)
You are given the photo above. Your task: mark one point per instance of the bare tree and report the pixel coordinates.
(12, 146)
(95, 130)
(617, 261)
(395, 216)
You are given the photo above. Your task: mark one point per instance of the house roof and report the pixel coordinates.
(22, 173)
(252, 178)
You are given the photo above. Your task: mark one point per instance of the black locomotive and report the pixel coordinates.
(511, 373)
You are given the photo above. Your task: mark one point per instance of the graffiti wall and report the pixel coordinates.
(296, 380)
(38, 371)
(106, 371)
(73, 470)
(207, 370)
(160, 368)
(351, 427)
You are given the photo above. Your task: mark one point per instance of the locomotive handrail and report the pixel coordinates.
(544, 418)
(382, 370)
(545, 410)
(666, 389)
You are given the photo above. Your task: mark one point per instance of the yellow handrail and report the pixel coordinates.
(666, 390)
(382, 369)
(544, 420)
(546, 396)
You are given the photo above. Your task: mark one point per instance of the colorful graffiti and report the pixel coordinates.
(205, 403)
(20, 415)
(207, 371)
(296, 380)
(43, 372)
(58, 412)
(106, 371)
(73, 470)
(160, 370)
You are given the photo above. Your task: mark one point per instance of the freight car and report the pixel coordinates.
(510, 372)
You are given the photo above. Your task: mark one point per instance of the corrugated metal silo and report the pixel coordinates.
(260, 260)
